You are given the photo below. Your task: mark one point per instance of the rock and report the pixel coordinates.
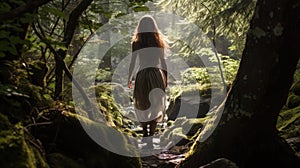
(120, 94)
(293, 101)
(174, 136)
(72, 142)
(294, 143)
(189, 106)
(59, 160)
(181, 130)
(220, 163)
(15, 149)
(288, 122)
(296, 88)
(191, 126)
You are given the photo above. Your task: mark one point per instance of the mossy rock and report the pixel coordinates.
(193, 125)
(182, 130)
(192, 108)
(296, 88)
(74, 143)
(107, 104)
(293, 101)
(288, 123)
(15, 151)
(59, 160)
(174, 135)
(120, 95)
(13, 104)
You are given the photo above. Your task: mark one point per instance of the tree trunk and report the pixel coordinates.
(68, 36)
(106, 60)
(247, 132)
(59, 74)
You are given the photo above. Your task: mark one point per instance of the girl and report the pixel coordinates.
(148, 46)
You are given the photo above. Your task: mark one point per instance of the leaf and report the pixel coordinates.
(140, 8)
(13, 50)
(4, 7)
(16, 40)
(27, 18)
(55, 12)
(2, 55)
(4, 34)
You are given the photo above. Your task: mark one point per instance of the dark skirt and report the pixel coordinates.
(149, 95)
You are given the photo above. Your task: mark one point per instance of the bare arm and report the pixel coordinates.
(164, 68)
(131, 67)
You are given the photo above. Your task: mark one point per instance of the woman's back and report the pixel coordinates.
(150, 57)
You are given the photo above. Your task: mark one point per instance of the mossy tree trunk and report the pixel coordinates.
(246, 133)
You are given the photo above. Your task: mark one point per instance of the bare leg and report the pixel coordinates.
(153, 125)
(145, 131)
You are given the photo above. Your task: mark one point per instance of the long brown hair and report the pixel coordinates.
(147, 34)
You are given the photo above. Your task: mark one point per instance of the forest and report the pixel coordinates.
(232, 96)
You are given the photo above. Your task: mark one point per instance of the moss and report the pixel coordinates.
(288, 122)
(77, 145)
(296, 88)
(59, 160)
(107, 103)
(5, 124)
(16, 152)
(193, 125)
(182, 130)
(293, 101)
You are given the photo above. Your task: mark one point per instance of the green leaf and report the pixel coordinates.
(140, 8)
(55, 12)
(27, 18)
(13, 50)
(2, 55)
(15, 40)
(4, 7)
(4, 34)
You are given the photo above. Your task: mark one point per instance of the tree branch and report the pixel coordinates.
(90, 106)
(73, 21)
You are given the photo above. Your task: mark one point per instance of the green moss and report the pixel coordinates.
(193, 125)
(288, 122)
(5, 124)
(15, 151)
(59, 160)
(182, 130)
(293, 101)
(95, 155)
(107, 103)
(296, 88)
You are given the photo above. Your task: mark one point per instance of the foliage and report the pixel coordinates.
(230, 19)
(201, 78)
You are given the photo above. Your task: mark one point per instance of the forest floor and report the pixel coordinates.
(165, 159)
(161, 157)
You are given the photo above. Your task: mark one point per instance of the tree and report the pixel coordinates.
(68, 35)
(14, 26)
(246, 133)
